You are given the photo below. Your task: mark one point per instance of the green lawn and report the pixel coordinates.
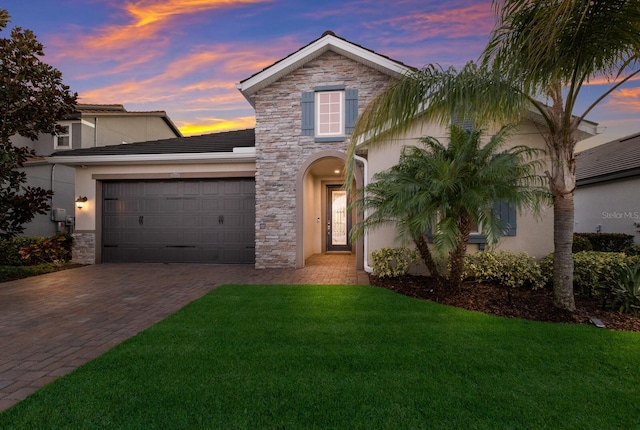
(346, 357)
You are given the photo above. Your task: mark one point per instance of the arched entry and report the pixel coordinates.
(318, 194)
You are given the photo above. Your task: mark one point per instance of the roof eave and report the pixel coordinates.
(239, 156)
(329, 42)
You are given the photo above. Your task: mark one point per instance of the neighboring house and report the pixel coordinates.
(273, 198)
(89, 126)
(607, 197)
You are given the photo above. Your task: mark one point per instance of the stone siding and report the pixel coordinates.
(84, 248)
(281, 149)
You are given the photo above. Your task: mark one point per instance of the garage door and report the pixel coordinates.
(184, 221)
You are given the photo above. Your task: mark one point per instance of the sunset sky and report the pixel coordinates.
(185, 56)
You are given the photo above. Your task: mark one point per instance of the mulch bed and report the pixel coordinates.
(492, 299)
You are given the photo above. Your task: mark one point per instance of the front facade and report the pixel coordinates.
(608, 180)
(282, 184)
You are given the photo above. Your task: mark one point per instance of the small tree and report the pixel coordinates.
(444, 190)
(32, 101)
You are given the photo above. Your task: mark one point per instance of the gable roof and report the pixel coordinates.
(613, 160)
(327, 42)
(223, 145)
(101, 110)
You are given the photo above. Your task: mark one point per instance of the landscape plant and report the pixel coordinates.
(594, 272)
(508, 269)
(438, 191)
(393, 262)
(32, 100)
(539, 57)
(624, 295)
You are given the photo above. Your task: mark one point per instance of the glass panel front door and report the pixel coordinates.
(338, 220)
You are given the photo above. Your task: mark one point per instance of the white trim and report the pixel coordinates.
(312, 51)
(187, 158)
(69, 126)
(87, 123)
(341, 114)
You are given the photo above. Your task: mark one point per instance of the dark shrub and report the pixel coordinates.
(608, 242)
(55, 249)
(633, 250)
(10, 250)
(581, 243)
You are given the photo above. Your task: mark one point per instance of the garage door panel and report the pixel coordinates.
(210, 221)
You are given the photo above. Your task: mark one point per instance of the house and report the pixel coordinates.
(89, 126)
(271, 196)
(607, 199)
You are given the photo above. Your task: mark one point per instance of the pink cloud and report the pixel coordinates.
(625, 100)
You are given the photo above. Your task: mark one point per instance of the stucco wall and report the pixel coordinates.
(58, 178)
(534, 234)
(313, 216)
(281, 149)
(613, 206)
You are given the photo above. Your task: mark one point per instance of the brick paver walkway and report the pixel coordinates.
(53, 323)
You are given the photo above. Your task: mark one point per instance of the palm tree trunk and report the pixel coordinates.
(563, 218)
(456, 259)
(423, 248)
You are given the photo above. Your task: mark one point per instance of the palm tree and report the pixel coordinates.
(539, 48)
(448, 189)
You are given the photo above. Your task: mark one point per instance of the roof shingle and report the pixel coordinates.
(214, 142)
(613, 160)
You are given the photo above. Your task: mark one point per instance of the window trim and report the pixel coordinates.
(341, 114)
(56, 136)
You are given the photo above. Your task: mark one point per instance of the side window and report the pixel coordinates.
(329, 113)
(62, 139)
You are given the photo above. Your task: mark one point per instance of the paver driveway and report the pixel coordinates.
(53, 323)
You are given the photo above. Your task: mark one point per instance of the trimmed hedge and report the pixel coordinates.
(607, 242)
(393, 262)
(592, 270)
(505, 268)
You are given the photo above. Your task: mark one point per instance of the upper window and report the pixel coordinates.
(329, 112)
(62, 139)
(330, 108)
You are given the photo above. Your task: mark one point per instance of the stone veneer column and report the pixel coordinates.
(281, 149)
(84, 248)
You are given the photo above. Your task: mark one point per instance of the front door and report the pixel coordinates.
(338, 219)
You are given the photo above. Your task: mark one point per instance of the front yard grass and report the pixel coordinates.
(335, 357)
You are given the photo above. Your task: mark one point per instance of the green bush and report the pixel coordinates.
(393, 262)
(55, 249)
(607, 242)
(10, 250)
(580, 244)
(625, 292)
(592, 270)
(505, 268)
(633, 250)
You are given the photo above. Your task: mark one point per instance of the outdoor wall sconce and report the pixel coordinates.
(80, 201)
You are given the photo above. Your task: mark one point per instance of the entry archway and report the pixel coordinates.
(315, 178)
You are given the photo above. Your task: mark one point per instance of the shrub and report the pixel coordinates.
(581, 243)
(10, 250)
(625, 292)
(505, 268)
(592, 270)
(633, 250)
(608, 242)
(393, 262)
(55, 249)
